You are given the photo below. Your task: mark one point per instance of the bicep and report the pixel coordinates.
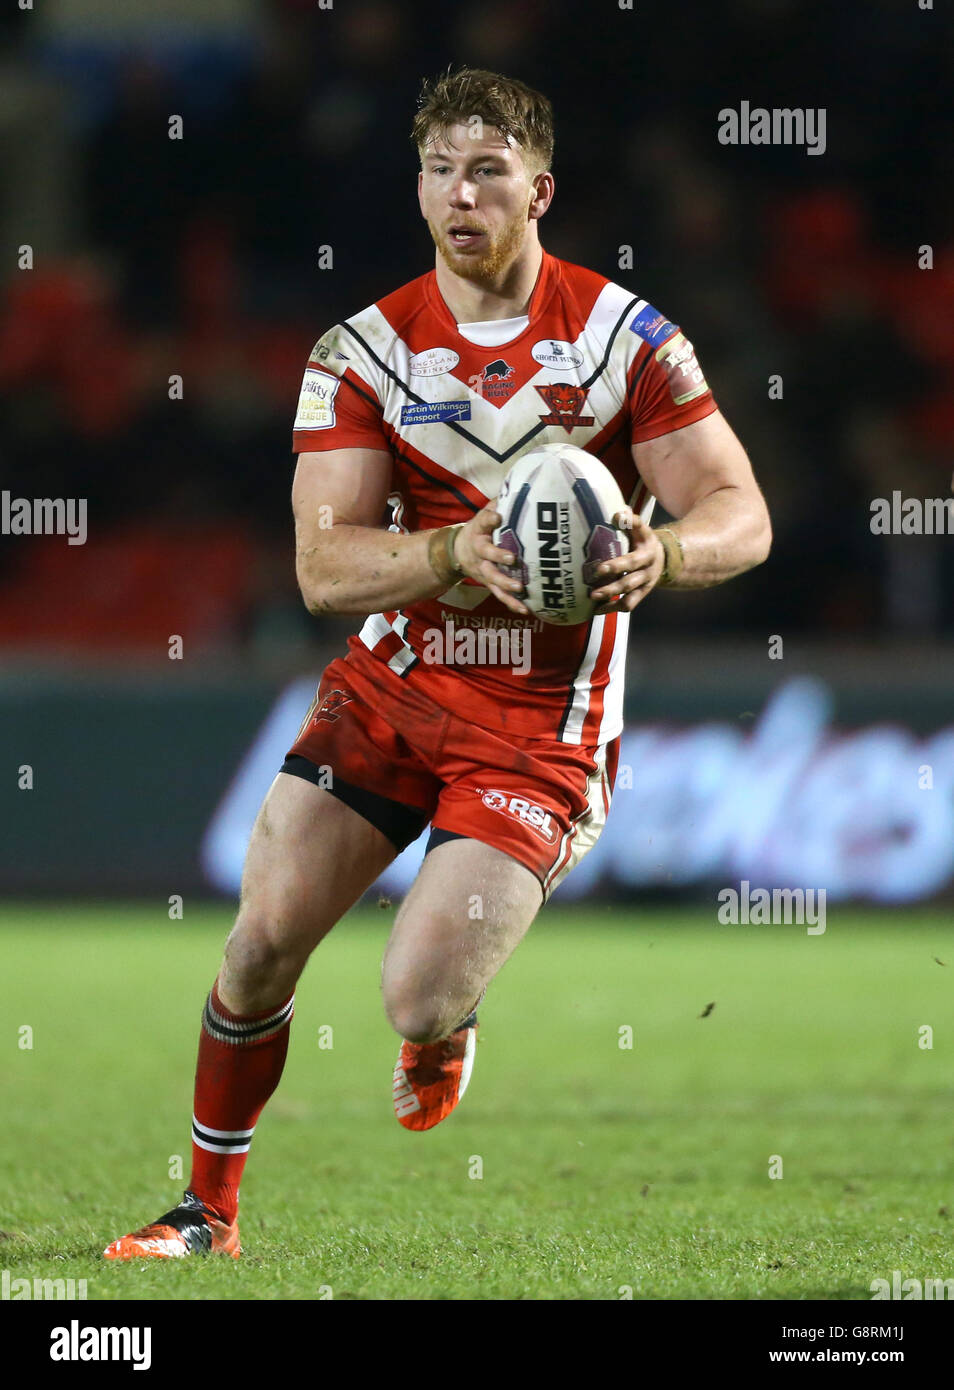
(339, 485)
(684, 466)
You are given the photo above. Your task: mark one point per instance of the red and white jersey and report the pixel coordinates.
(591, 364)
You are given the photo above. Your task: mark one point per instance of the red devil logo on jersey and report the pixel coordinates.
(566, 402)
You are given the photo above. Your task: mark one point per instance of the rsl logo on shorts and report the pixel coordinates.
(537, 818)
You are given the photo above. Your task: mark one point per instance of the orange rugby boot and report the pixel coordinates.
(189, 1229)
(430, 1078)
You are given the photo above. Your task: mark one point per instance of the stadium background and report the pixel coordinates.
(202, 258)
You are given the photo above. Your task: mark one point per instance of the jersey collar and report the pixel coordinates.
(543, 291)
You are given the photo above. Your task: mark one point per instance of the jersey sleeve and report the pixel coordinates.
(338, 406)
(667, 388)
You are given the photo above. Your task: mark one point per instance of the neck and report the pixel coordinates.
(505, 297)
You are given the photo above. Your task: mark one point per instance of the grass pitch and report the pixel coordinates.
(574, 1168)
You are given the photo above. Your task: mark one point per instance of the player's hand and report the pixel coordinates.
(625, 582)
(478, 557)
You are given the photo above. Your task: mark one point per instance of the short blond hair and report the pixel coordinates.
(513, 108)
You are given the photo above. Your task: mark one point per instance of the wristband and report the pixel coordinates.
(452, 549)
(440, 553)
(675, 555)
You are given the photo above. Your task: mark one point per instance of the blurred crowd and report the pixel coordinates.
(200, 259)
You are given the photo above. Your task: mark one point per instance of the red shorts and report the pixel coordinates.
(402, 761)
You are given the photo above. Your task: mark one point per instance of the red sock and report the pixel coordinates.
(241, 1058)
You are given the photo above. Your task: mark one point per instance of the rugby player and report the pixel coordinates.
(410, 415)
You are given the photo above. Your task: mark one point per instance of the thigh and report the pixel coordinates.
(310, 857)
(309, 860)
(468, 909)
(350, 797)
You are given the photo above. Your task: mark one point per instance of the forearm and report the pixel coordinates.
(359, 569)
(723, 535)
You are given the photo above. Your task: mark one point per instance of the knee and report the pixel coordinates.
(416, 1018)
(258, 956)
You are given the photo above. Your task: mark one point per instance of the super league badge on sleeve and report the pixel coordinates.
(316, 402)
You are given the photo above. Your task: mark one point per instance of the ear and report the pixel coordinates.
(420, 191)
(543, 190)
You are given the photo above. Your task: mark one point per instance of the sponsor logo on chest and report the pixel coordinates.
(435, 412)
(554, 352)
(433, 361)
(495, 381)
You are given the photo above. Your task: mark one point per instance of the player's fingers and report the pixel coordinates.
(626, 601)
(491, 575)
(487, 519)
(635, 590)
(485, 523)
(508, 600)
(625, 520)
(493, 554)
(607, 577)
(629, 601)
(637, 584)
(621, 564)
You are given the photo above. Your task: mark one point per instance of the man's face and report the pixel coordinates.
(476, 196)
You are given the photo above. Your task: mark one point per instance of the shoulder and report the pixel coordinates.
(600, 305)
(363, 342)
(403, 305)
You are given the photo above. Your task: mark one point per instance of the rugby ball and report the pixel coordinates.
(557, 505)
